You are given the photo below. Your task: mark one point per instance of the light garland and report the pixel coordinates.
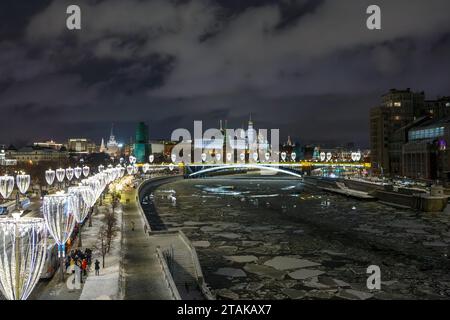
(69, 174)
(86, 171)
(50, 176)
(60, 174)
(6, 186)
(23, 182)
(130, 169)
(77, 172)
(60, 212)
(22, 255)
(85, 199)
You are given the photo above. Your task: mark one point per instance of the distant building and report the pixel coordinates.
(81, 145)
(141, 146)
(398, 108)
(425, 154)
(48, 144)
(112, 147)
(409, 135)
(4, 161)
(35, 154)
(157, 146)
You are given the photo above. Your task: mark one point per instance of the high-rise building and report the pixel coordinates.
(398, 109)
(141, 145)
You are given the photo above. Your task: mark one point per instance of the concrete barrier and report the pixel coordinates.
(167, 275)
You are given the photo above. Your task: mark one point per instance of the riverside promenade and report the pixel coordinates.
(143, 277)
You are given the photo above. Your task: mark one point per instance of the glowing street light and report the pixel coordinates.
(50, 176)
(6, 186)
(85, 200)
(60, 174)
(69, 174)
(22, 255)
(23, 182)
(59, 211)
(85, 171)
(78, 172)
(130, 169)
(122, 171)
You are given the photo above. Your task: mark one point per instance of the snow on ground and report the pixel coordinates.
(106, 285)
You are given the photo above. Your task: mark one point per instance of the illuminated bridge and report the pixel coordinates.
(297, 169)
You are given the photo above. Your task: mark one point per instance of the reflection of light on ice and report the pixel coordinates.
(223, 190)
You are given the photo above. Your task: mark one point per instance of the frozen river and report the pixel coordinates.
(275, 238)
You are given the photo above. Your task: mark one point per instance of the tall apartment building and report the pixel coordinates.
(398, 109)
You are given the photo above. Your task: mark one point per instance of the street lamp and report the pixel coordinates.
(77, 171)
(85, 199)
(60, 174)
(6, 186)
(59, 211)
(69, 174)
(85, 171)
(22, 255)
(130, 169)
(50, 176)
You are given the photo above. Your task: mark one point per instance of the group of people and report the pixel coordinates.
(79, 262)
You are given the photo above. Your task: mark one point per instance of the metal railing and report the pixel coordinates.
(167, 275)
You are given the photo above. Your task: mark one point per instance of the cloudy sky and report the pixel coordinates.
(308, 67)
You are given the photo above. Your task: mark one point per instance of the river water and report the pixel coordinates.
(275, 238)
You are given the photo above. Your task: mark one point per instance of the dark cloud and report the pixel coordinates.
(308, 67)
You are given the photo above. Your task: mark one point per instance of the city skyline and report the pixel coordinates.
(195, 60)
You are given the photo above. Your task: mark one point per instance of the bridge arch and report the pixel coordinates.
(248, 166)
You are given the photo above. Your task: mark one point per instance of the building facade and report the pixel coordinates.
(141, 148)
(400, 112)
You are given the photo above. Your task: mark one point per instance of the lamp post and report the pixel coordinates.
(22, 255)
(77, 172)
(6, 186)
(86, 200)
(86, 171)
(23, 183)
(60, 174)
(59, 211)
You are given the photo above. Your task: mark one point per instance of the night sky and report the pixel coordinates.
(308, 67)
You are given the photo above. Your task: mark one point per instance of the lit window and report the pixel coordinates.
(447, 104)
(397, 117)
(397, 104)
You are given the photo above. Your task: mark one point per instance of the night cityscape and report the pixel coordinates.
(215, 150)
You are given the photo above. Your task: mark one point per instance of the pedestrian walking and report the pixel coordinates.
(84, 266)
(97, 267)
(132, 225)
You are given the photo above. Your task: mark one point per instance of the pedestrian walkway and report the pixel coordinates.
(144, 279)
